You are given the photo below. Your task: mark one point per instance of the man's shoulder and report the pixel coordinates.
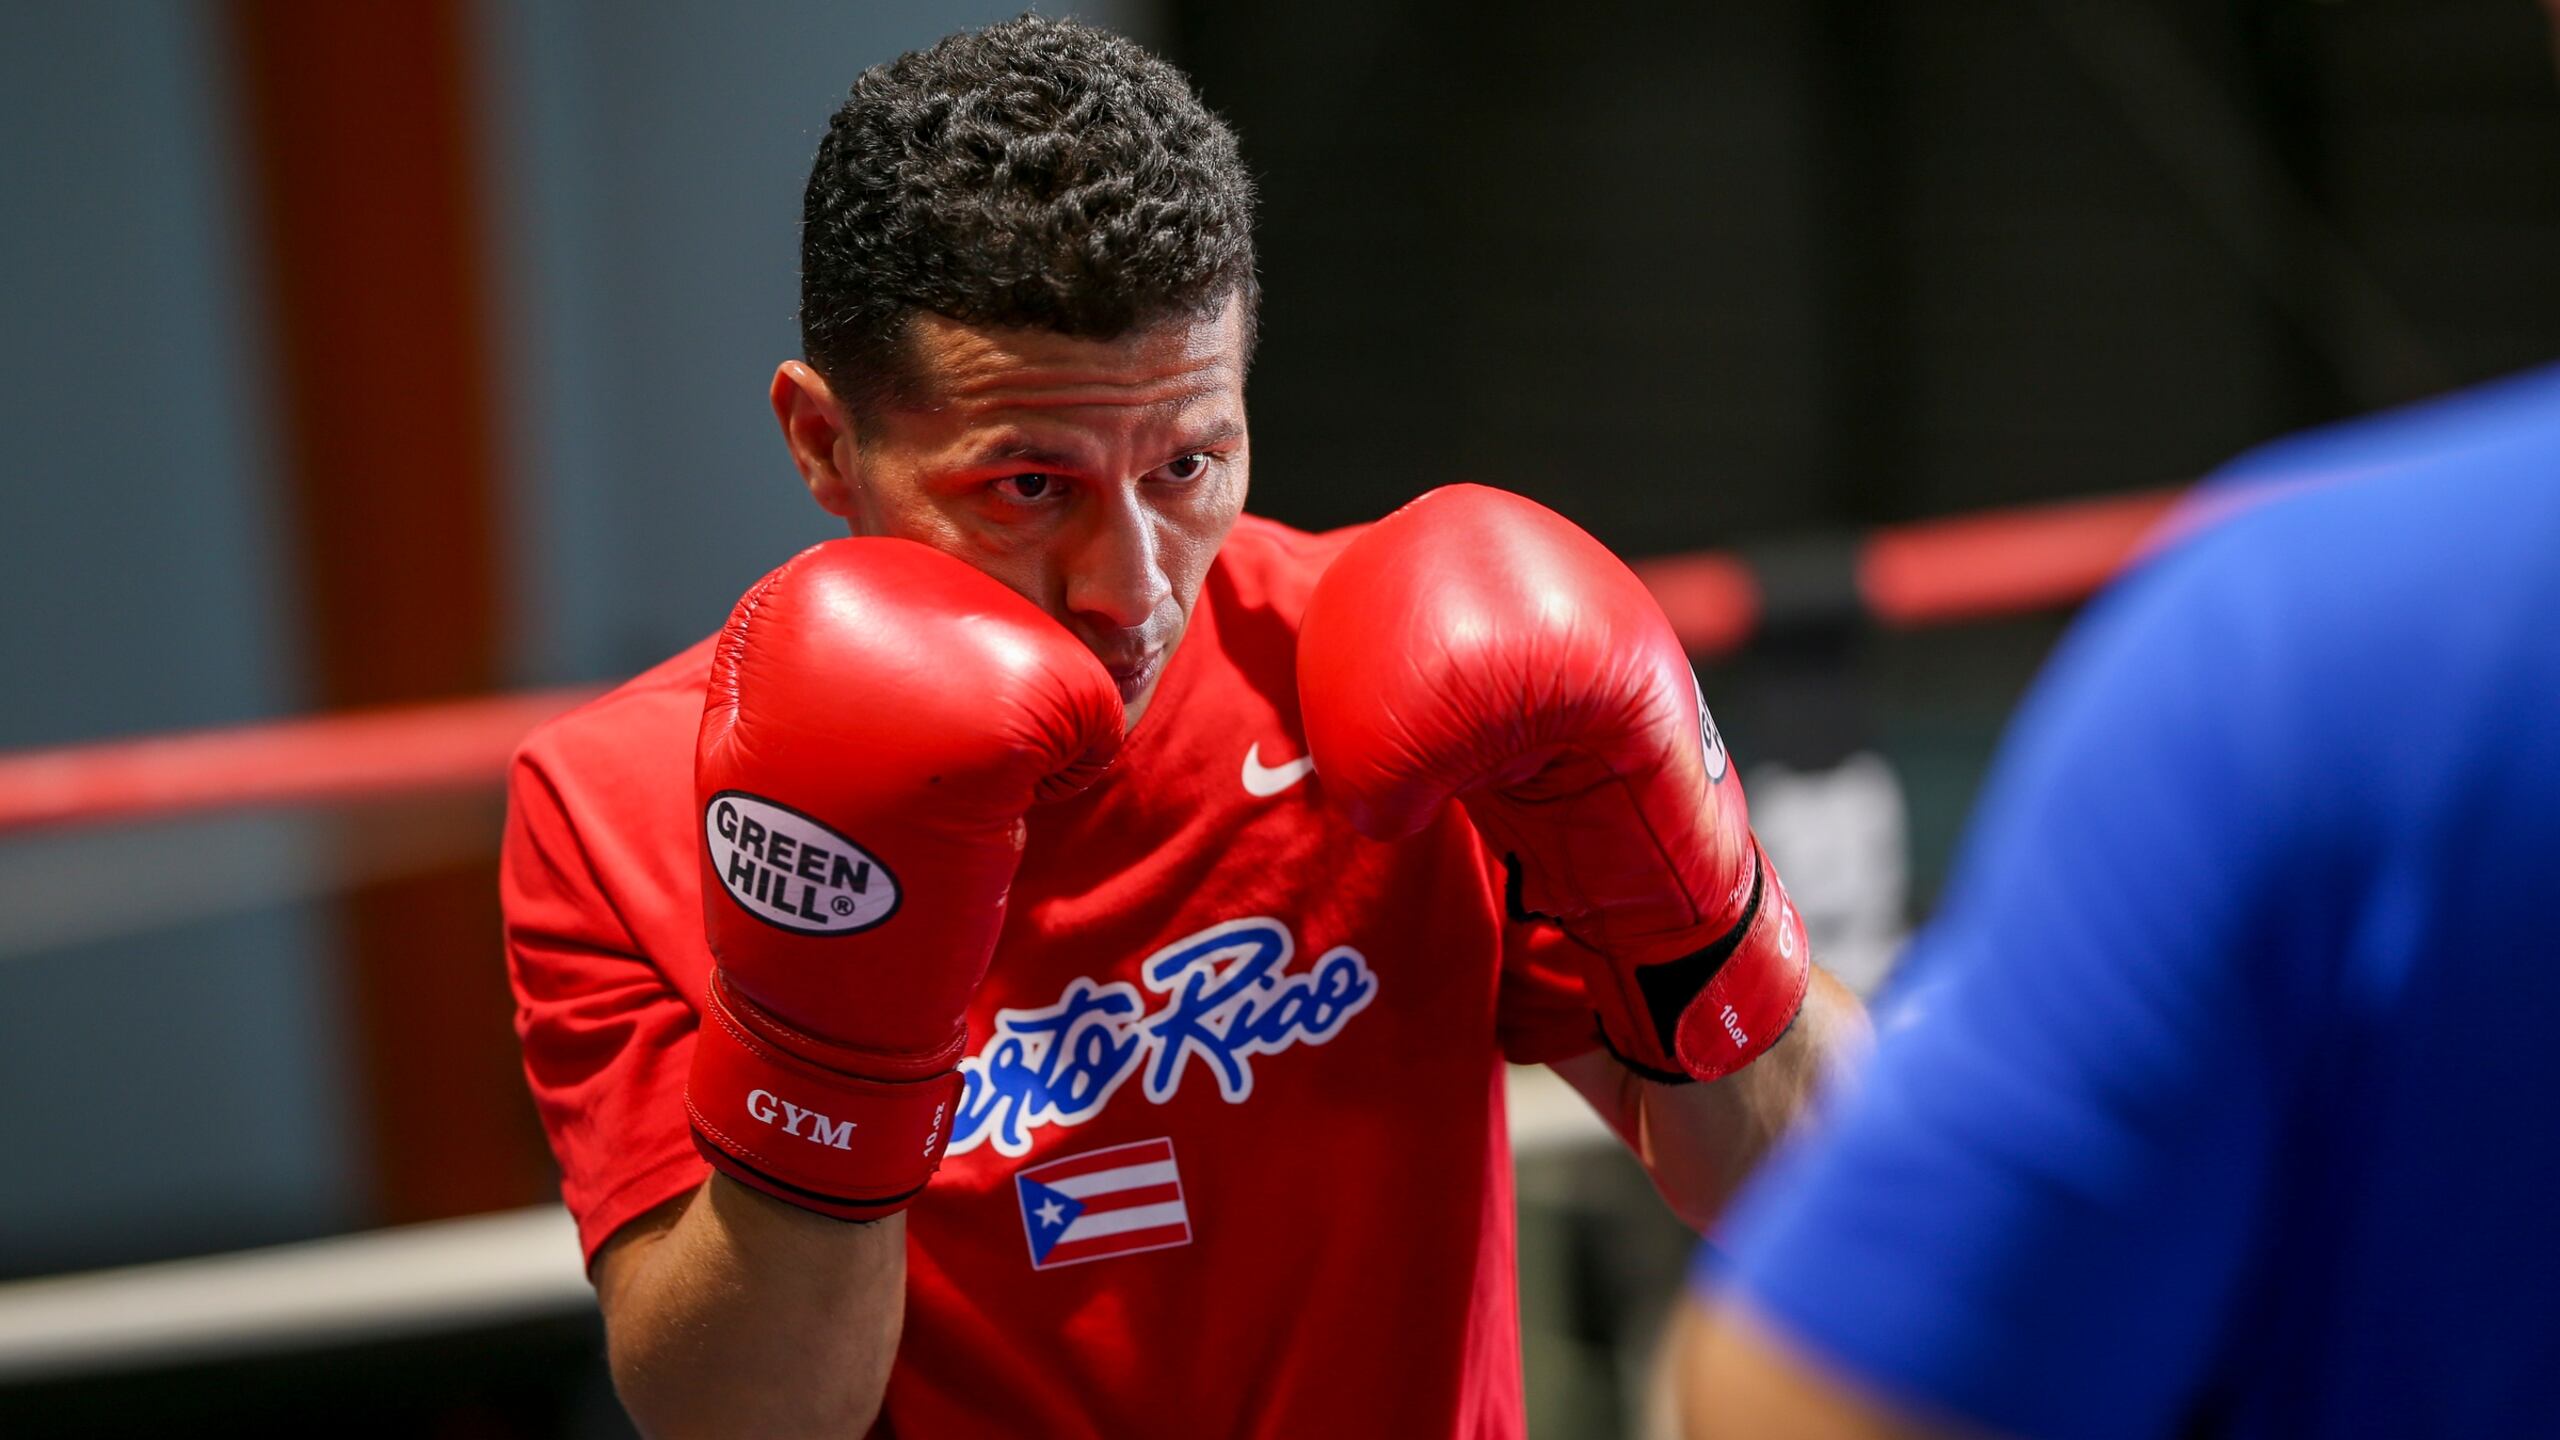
(2513, 406)
(2435, 540)
(2388, 623)
(599, 813)
(643, 726)
(1269, 565)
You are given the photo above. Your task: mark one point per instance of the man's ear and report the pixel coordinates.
(819, 433)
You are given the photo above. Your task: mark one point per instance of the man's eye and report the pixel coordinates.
(1189, 467)
(1026, 487)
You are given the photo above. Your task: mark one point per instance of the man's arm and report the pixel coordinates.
(2039, 1207)
(1700, 1141)
(729, 1313)
(1739, 1380)
(771, 1302)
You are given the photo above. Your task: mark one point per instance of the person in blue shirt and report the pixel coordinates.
(2222, 1097)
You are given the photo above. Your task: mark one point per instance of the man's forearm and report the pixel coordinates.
(1699, 1142)
(744, 1316)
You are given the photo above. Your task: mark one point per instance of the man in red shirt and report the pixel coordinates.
(1021, 877)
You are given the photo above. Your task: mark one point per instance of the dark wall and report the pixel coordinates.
(1694, 273)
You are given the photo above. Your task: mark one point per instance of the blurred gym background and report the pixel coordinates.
(365, 354)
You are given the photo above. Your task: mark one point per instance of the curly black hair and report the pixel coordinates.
(1035, 173)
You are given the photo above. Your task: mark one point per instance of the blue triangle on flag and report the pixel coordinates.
(1046, 1214)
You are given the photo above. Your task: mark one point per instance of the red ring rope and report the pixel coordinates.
(417, 749)
(1930, 573)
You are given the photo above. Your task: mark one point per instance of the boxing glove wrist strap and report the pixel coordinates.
(819, 1138)
(1714, 1010)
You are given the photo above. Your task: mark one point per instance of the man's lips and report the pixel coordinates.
(1132, 676)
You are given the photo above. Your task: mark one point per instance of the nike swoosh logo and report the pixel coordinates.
(1265, 781)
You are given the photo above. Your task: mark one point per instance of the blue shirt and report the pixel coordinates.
(2223, 1095)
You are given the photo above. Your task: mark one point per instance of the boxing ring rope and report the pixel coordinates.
(1936, 572)
(1983, 566)
(454, 1275)
(434, 1278)
(368, 755)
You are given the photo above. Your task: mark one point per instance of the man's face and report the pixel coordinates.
(1096, 477)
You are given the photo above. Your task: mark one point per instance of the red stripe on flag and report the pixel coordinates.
(1104, 1202)
(1113, 1157)
(1159, 1237)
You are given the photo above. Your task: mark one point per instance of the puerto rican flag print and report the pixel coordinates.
(1115, 1201)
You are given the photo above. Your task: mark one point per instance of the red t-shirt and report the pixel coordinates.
(1231, 1157)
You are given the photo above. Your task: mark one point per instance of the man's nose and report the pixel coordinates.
(1115, 578)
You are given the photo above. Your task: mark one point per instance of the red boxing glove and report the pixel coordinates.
(1477, 645)
(880, 717)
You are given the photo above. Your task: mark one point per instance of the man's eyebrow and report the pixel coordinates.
(1022, 450)
(1016, 449)
(1226, 433)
